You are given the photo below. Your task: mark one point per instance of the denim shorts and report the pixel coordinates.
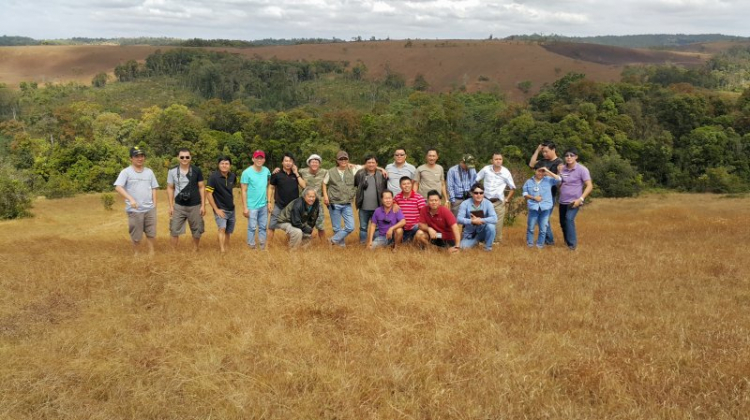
(226, 224)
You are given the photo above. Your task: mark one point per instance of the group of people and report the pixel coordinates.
(396, 205)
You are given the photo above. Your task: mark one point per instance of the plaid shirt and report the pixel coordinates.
(459, 182)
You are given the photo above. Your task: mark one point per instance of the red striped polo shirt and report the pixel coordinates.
(410, 207)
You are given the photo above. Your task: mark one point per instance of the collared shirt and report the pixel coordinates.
(410, 207)
(542, 188)
(495, 182)
(464, 214)
(395, 174)
(287, 188)
(442, 221)
(573, 183)
(383, 221)
(221, 188)
(460, 182)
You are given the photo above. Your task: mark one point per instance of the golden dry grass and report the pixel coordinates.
(648, 319)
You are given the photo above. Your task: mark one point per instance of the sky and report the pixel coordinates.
(346, 19)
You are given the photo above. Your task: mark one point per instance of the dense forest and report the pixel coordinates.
(659, 127)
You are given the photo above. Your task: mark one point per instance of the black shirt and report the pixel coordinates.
(286, 186)
(222, 188)
(552, 165)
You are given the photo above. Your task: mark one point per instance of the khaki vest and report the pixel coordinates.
(340, 190)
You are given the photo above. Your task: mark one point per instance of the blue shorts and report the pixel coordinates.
(409, 234)
(226, 224)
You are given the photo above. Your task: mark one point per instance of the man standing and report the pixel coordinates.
(437, 225)
(387, 226)
(186, 192)
(551, 161)
(284, 189)
(299, 217)
(410, 203)
(399, 169)
(313, 176)
(137, 185)
(496, 178)
(460, 179)
(338, 193)
(220, 195)
(254, 186)
(370, 184)
(479, 219)
(431, 176)
(576, 186)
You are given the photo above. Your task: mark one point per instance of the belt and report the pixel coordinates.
(494, 200)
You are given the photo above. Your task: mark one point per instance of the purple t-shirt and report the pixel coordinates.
(573, 182)
(384, 221)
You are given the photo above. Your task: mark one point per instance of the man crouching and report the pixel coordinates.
(299, 217)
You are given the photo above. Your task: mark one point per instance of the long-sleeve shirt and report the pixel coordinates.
(464, 214)
(459, 182)
(495, 182)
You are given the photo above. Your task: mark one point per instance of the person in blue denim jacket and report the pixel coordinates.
(538, 194)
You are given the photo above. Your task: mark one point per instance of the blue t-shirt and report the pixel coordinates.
(257, 184)
(384, 221)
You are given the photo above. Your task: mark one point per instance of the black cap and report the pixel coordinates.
(135, 151)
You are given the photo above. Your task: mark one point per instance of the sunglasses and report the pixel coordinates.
(477, 192)
(400, 154)
(342, 159)
(184, 157)
(570, 155)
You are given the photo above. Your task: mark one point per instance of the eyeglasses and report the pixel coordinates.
(399, 154)
(184, 157)
(342, 158)
(570, 155)
(477, 192)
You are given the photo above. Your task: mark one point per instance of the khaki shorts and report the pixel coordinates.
(141, 222)
(189, 214)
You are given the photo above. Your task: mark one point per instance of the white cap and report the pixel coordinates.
(313, 157)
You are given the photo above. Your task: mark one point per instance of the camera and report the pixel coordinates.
(183, 196)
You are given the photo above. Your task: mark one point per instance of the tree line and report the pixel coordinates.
(634, 134)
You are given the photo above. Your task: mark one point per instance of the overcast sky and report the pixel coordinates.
(397, 19)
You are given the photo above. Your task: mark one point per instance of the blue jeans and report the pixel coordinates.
(339, 211)
(568, 224)
(364, 221)
(484, 233)
(537, 218)
(258, 218)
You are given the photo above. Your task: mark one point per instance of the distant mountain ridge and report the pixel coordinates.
(632, 41)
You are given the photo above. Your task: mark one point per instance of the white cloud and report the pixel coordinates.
(254, 19)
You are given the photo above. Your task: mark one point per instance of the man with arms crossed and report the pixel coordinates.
(431, 176)
(220, 196)
(437, 225)
(460, 179)
(496, 178)
(186, 192)
(551, 161)
(387, 226)
(479, 219)
(410, 204)
(254, 186)
(399, 169)
(284, 189)
(137, 185)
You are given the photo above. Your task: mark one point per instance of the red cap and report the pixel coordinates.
(259, 153)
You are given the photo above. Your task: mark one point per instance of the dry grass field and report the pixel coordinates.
(648, 319)
(446, 64)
